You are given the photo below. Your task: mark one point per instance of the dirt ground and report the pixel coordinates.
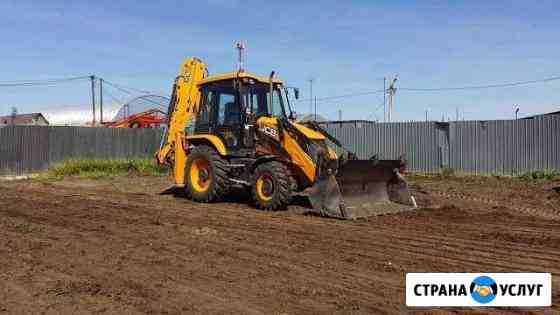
(115, 246)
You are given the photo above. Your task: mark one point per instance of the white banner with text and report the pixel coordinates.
(478, 289)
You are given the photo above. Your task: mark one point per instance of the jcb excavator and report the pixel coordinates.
(237, 129)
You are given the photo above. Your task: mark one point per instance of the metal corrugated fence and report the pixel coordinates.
(417, 142)
(509, 147)
(505, 146)
(28, 149)
(480, 147)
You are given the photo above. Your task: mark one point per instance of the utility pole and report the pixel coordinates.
(384, 99)
(315, 108)
(340, 115)
(13, 116)
(392, 91)
(310, 96)
(426, 115)
(456, 113)
(92, 78)
(101, 101)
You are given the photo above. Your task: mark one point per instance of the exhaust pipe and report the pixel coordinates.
(270, 77)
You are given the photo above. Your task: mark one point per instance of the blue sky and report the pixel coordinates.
(347, 47)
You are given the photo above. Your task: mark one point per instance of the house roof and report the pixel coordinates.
(234, 75)
(310, 117)
(22, 119)
(79, 115)
(352, 121)
(544, 114)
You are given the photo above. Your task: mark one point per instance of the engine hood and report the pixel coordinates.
(309, 133)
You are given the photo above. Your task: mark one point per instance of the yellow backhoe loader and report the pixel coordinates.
(237, 129)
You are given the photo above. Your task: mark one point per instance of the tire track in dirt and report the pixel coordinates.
(428, 253)
(258, 261)
(553, 213)
(464, 245)
(420, 244)
(384, 239)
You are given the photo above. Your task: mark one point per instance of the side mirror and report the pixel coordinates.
(292, 116)
(296, 92)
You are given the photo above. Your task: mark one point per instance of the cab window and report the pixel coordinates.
(258, 98)
(277, 109)
(205, 106)
(228, 109)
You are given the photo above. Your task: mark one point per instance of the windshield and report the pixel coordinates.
(257, 98)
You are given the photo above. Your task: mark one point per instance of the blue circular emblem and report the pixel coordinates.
(483, 289)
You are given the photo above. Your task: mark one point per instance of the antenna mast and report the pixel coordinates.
(240, 46)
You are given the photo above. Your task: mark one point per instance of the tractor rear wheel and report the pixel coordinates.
(206, 174)
(271, 186)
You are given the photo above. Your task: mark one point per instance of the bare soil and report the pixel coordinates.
(115, 246)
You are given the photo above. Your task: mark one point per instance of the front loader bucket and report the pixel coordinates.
(362, 188)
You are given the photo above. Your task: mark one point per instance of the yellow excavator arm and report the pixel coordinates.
(182, 110)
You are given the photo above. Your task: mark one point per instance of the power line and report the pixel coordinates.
(126, 89)
(43, 82)
(154, 102)
(489, 86)
(118, 87)
(123, 95)
(144, 97)
(343, 96)
(376, 109)
(472, 87)
(114, 98)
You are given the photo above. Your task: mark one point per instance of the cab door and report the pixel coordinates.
(227, 115)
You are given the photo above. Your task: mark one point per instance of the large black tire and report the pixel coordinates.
(206, 174)
(271, 186)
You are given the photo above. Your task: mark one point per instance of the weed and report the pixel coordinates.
(24, 227)
(543, 174)
(97, 168)
(447, 171)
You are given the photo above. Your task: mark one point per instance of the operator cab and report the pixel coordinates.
(231, 103)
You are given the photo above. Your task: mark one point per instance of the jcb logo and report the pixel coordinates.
(269, 131)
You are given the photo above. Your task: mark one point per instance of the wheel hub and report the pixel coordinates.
(203, 174)
(268, 187)
(200, 175)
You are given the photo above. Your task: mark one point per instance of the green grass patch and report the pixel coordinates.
(450, 172)
(26, 227)
(447, 172)
(544, 174)
(97, 168)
